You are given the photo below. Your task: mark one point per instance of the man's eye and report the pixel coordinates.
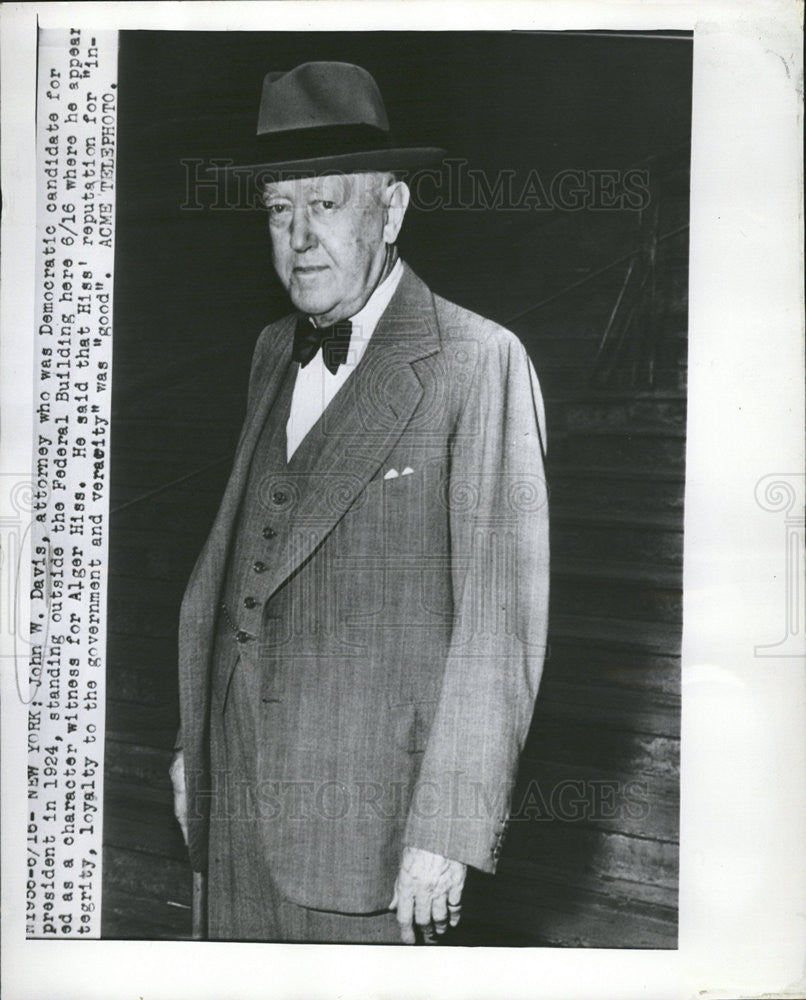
(277, 211)
(322, 204)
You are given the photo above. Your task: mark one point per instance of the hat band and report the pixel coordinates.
(321, 141)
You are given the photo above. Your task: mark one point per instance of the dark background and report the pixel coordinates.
(599, 297)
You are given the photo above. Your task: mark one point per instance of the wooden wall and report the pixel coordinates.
(592, 860)
(591, 855)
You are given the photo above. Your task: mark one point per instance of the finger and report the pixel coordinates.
(454, 913)
(393, 904)
(405, 917)
(422, 907)
(429, 937)
(455, 893)
(439, 913)
(422, 915)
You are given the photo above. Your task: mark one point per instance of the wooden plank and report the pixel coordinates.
(146, 725)
(134, 793)
(140, 651)
(611, 494)
(652, 450)
(206, 484)
(172, 510)
(144, 607)
(141, 766)
(628, 415)
(666, 577)
(146, 876)
(606, 540)
(138, 468)
(556, 917)
(547, 882)
(646, 521)
(626, 710)
(161, 556)
(142, 618)
(553, 737)
(137, 590)
(597, 796)
(148, 686)
(578, 661)
(147, 828)
(127, 916)
(535, 850)
(653, 637)
(165, 422)
(645, 599)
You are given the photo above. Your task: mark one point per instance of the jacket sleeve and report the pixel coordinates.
(498, 510)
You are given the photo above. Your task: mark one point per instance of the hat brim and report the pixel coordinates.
(403, 159)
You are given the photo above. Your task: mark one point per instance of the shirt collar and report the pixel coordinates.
(366, 319)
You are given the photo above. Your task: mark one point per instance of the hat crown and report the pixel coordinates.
(320, 94)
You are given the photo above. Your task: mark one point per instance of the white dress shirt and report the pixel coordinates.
(315, 385)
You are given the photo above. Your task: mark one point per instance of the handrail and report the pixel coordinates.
(593, 274)
(173, 482)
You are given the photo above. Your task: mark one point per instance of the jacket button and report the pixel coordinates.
(249, 602)
(259, 566)
(269, 532)
(242, 636)
(279, 497)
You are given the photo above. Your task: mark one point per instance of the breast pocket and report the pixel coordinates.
(393, 576)
(399, 504)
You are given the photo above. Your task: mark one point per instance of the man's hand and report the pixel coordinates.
(177, 773)
(428, 892)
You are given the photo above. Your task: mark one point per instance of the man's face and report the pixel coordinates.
(329, 239)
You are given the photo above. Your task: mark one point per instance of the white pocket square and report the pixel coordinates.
(407, 471)
(391, 474)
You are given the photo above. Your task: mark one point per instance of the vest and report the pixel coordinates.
(262, 529)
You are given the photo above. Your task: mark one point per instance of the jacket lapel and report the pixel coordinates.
(359, 428)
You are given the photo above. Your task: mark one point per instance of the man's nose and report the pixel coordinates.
(301, 235)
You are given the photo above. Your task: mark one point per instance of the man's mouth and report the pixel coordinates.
(309, 268)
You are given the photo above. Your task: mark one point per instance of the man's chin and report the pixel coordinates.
(311, 305)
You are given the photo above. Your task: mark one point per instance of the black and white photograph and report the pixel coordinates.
(401, 500)
(362, 641)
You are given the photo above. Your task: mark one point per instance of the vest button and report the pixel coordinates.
(242, 636)
(259, 566)
(249, 602)
(269, 532)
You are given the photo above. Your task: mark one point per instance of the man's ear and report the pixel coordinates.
(396, 198)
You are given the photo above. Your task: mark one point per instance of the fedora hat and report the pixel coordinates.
(325, 117)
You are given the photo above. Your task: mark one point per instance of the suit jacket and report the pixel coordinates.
(404, 618)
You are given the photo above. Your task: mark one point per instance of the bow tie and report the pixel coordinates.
(334, 341)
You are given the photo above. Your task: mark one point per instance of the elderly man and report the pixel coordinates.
(362, 638)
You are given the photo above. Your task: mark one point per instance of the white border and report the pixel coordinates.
(743, 893)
